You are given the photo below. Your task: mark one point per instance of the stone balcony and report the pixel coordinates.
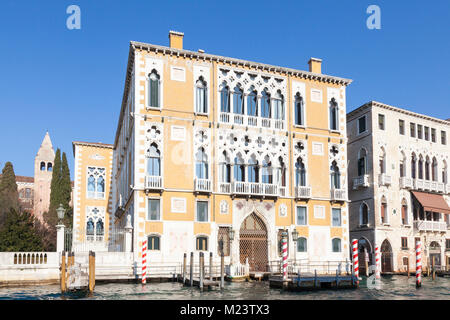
(252, 121)
(302, 192)
(338, 195)
(154, 183)
(430, 226)
(384, 179)
(406, 183)
(257, 189)
(361, 182)
(202, 185)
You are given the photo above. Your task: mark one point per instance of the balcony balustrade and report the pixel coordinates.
(257, 189)
(153, 183)
(242, 119)
(302, 192)
(202, 185)
(361, 182)
(385, 180)
(406, 183)
(428, 225)
(338, 195)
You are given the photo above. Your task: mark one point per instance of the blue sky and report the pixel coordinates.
(70, 82)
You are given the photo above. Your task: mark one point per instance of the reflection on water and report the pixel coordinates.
(394, 287)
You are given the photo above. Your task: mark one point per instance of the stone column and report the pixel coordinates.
(60, 237)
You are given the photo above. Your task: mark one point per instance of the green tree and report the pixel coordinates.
(66, 191)
(9, 196)
(18, 233)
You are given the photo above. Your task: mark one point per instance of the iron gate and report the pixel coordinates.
(253, 243)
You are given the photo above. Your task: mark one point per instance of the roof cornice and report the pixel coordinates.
(396, 109)
(240, 62)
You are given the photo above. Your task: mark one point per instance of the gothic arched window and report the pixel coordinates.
(154, 89)
(224, 97)
(154, 161)
(201, 165)
(278, 106)
(335, 176)
(253, 170)
(238, 102)
(299, 110)
(265, 104)
(300, 173)
(334, 115)
(252, 103)
(364, 214)
(201, 90)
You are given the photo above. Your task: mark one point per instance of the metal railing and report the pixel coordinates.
(308, 266)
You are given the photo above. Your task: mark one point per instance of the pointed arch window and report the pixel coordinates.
(362, 161)
(252, 103)
(154, 89)
(444, 173)
(201, 166)
(253, 170)
(420, 168)
(334, 115)
(404, 212)
(364, 214)
(335, 176)
(413, 166)
(90, 229)
(153, 161)
(280, 173)
(265, 104)
(238, 102)
(42, 166)
(49, 167)
(299, 110)
(434, 170)
(278, 106)
(239, 169)
(99, 230)
(96, 178)
(267, 170)
(201, 98)
(225, 168)
(383, 215)
(224, 98)
(427, 169)
(300, 173)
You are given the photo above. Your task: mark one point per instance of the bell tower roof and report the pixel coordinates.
(46, 151)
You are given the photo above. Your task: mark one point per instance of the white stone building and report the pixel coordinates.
(398, 185)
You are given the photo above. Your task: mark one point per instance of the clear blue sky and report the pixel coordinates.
(70, 82)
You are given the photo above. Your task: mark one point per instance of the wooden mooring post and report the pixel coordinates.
(407, 267)
(201, 271)
(191, 270)
(184, 268)
(210, 266)
(222, 267)
(91, 271)
(63, 272)
(433, 270)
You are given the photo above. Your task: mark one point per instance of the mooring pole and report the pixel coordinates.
(191, 270)
(222, 267)
(407, 267)
(201, 273)
(433, 269)
(184, 268)
(210, 266)
(418, 264)
(91, 271)
(63, 272)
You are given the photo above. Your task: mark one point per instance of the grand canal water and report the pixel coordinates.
(392, 288)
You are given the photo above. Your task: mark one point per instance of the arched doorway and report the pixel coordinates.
(386, 256)
(364, 253)
(253, 243)
(435, 252)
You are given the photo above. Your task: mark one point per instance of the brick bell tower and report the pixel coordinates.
(43, 169)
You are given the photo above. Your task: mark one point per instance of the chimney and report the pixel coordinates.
(315, 65)
(176, 39)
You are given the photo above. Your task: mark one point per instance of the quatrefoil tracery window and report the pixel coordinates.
(96, 182)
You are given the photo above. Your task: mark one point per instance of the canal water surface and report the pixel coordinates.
(390, 288)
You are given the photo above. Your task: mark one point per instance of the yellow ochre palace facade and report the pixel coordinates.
(218, 154)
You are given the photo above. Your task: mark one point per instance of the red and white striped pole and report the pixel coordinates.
(144, 262)
(377, 263)
(285, 255)
(418, 264)
(355, 258)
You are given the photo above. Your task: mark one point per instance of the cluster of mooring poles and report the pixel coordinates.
(202, 281)
(72, 278)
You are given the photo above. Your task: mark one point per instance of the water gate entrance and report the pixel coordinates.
(253, 243)
(386, 256)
